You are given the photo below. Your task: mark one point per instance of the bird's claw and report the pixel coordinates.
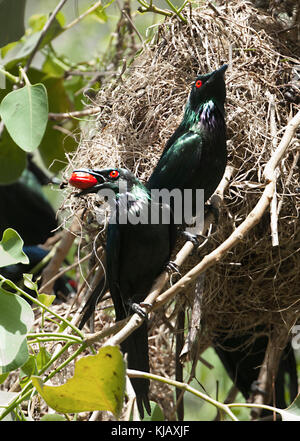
(192, 238)
(138, 309)
(172, 267)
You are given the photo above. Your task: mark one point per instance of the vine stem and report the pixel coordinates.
(185, 387)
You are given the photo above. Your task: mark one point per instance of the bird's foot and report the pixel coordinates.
(255, 389)
(210, 209)
(138, 308)
(192, 238)
(172, 267)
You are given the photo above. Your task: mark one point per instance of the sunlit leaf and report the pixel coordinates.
(16, 320)
(25, 115)
(292, 413)
(11, 249)
(98, 384)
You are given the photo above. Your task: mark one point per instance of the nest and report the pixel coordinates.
(255, 283)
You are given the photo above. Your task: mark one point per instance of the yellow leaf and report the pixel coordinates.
(98, 384)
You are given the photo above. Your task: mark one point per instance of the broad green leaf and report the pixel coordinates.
(98, 384)
(16, 320)
(291, 413)
(11, 20)
(25, 115)
(11, 249)
(12, 159)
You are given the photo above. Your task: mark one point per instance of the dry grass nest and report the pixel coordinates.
(255, 283)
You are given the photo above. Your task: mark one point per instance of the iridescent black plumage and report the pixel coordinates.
(195, 155)
(135, 255)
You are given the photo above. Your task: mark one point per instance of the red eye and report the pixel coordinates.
(198, 84)
(114, 174)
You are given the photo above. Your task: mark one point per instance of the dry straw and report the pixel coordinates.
(255, 283)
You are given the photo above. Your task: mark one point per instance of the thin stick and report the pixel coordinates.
(43, 33)
(273, 205)
(77, 114)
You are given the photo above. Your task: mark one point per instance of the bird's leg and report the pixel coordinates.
(192, 238)
(138, 308)
(255, 389)
(172, 267)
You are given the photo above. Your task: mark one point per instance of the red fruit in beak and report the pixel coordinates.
(82, 180)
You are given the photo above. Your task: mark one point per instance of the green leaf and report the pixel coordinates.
(16, 320)
(11, 20)
(37, 22)
(29, 283)
(292, 413)
(3, 377)
(12, 159)
(11, 249)
(25, 115)
(98, 384)
(156, 413)
(46, 299)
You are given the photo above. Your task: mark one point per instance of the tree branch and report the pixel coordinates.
(43, 33)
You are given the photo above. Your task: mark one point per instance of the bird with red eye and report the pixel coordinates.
(198, 84)
(114, 174)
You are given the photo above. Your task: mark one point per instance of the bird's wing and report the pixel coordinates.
(177, 163)
(113, 249)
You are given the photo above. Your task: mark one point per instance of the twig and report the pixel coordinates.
(83, 15)
(268, 371)
(43, 33)
(185, 387)
(273, 205)
(76, 114)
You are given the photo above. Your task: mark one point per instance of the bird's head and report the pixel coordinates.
(91, 181)
(208, 87)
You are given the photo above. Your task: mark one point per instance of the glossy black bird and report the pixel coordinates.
(136, 253)
(195, 156)
(242, 363)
